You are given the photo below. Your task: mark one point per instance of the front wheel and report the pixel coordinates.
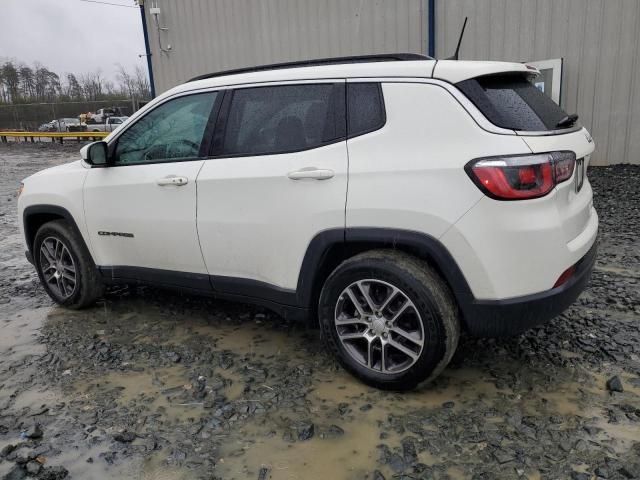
(65, 267)
(390, 319)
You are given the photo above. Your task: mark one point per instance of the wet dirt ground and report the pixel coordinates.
(155, 385)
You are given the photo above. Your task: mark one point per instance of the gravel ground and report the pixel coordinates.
(154, 385)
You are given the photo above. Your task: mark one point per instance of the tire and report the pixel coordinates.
(424, 308)
(60, 238)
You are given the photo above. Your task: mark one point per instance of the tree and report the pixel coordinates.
(74, 90)
(11, 81)
(142, 87)
(21, 83)
(27, 81)
(92, 85)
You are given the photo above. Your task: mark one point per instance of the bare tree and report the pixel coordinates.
(27, 81)
(11, 81)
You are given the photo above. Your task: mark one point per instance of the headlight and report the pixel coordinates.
(20, 189)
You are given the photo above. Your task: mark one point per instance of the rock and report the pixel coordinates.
(33, 467)
(305, 430)
(23, 454)
(334, 431)
(366, 407)
(53, 473)
(125, 437)
(6, 450)
(263, 474)
(377, 475)
(614, 384)
(409, 451)
(503, 456)
(174, 357)
(448, 404)
(34, 432)
(630, 471)
(580, 476)
(396, 463)
(16, 473)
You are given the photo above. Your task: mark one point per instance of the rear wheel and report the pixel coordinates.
(390, 319)
(65, 267)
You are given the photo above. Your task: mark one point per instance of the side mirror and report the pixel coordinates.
(95, 154)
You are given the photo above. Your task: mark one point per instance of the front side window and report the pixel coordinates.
(173, 131)
(284, 118)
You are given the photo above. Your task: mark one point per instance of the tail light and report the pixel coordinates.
(520, 177)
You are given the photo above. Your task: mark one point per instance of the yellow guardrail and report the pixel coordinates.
(52, 135)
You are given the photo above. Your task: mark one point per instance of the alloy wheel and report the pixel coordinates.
(57, 267)
(379, 326)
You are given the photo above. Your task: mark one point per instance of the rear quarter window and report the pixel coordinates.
(511, 101)
(365, 108)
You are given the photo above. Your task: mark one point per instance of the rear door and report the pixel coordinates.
(141, 210)
(278, 178)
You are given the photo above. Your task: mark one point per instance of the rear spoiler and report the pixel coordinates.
(454, 71)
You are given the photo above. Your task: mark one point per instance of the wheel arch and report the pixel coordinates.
(34, 216)
(331, 247)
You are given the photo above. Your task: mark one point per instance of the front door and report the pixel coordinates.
(141, 210)
(279, 178)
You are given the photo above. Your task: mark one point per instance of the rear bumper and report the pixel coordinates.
(496, 318)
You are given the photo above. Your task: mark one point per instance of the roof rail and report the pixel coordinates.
(385, 57)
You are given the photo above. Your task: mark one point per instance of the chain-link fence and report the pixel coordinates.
(30, 116)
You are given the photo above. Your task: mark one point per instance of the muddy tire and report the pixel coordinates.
(65, 267)
(390, 319)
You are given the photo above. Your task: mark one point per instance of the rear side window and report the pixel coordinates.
(510, 101)
(285, 118)
(365, 108)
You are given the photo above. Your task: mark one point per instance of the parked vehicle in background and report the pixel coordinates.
(67, 124)
(102, 114)
(109, 126)
(75, 125)
(394, 200)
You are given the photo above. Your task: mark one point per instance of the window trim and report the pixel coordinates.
(206, 139)
(223, 117)
(382, 102)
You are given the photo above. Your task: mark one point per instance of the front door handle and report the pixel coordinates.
(172, 180)
(311, 172)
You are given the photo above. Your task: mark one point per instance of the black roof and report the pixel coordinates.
(385, 57)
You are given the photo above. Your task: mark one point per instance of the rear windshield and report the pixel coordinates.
(510, 101)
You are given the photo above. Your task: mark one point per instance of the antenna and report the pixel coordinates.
(455, 55)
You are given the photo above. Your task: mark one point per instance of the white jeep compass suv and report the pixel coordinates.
(397, 199)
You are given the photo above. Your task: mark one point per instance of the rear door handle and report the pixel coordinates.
(311, 172)
(172, 180)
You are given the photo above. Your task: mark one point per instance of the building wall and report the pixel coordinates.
(599, 41)
(600, 45)
(213, 35)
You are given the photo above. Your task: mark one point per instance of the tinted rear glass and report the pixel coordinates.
(365, 108)
(510, 101)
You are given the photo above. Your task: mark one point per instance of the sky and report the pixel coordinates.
(75, 36)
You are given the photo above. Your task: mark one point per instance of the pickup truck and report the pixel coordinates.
(102, 114)
(110, 124)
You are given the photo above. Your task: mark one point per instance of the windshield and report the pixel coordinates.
(511, 101)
